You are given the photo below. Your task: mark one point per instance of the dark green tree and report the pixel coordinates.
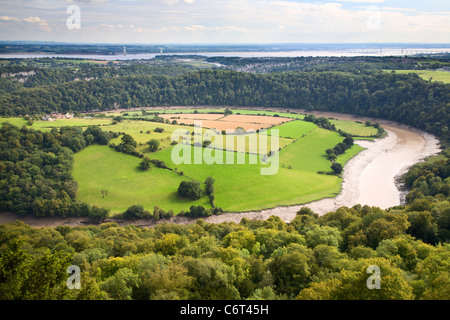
(145, 163)
(153, 145)
(337, 168)
(190, 189)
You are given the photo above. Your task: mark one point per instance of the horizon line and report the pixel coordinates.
(225, 43)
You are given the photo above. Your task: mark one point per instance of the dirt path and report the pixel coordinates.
(368, 178)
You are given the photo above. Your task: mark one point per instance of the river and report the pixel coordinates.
(369, 178)
(347, 52)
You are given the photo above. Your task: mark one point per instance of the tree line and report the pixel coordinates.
(405, 98)
(344, 64)
(14, 77)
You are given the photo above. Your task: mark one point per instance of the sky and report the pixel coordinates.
(226, 21)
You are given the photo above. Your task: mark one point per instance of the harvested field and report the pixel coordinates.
(230, 122)
(191, 116)
(255, 119)
(224, 125)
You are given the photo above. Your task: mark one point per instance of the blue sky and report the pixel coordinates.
(228, 21)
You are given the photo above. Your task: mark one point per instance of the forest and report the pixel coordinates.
(344, 64)
(309, 258)
(403, 98)
(36, 170)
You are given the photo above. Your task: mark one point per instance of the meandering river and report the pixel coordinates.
(369, 178)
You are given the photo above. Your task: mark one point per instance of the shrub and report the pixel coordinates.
(190, 189)
(337, 168)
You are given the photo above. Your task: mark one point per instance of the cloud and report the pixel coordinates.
(32, 20)
(177, 1)
(9, 19)
(212, 21)
(360, 1)
(196, 28)
(88, 1)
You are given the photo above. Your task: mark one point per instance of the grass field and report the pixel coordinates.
(241, 187)
(428, 74)
(238, 187)
(99, 168)
(293, 129)
(308, 153)
(354, 128)
(48, 125)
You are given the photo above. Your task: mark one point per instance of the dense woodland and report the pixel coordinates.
(347, 64)
(404, 98)
(36, 170)
(310, 257)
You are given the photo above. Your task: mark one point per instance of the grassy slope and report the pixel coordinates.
(354, 128)
(427, 74)
(294, 129)
(241, 187)
(237, 187)
(118, 173)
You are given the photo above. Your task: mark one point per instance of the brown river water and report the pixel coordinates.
(369, 178)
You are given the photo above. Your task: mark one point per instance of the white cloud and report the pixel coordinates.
(177, 1)
(360, 1)
(9, 19)
(32, 20)
(249, 21)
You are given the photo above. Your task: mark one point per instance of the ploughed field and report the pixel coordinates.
(238, 186)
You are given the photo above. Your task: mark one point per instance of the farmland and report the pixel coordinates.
(238, 187)
(119, 183)
(428, 75)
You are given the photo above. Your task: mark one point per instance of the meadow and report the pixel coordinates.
(98, 168)
(354, 128)
(238, 187)
(428, 75)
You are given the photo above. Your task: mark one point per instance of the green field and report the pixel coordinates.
(354, 128)
(99, 168)
(428, 75)
(238, 187)
(293, 129)
(241, 187)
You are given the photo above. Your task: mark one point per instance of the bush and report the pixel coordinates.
(98, 214)
(198, 211)
(136, 212)
(337, 168)
(145, 164)
(190, 189)
(159, 163)
(153, 145)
